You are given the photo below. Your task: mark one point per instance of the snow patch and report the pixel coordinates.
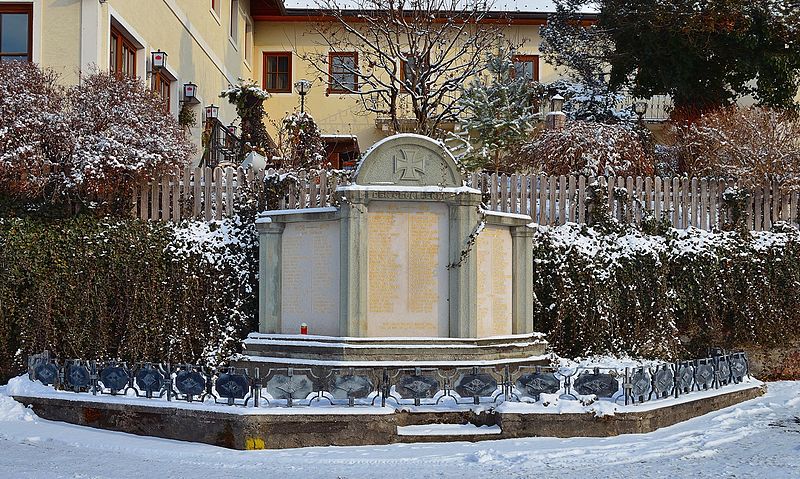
(447, 430)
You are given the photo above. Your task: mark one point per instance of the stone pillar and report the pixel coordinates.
(463, 274)
(270, 237)
(353, 270)
(522, 279)
(555, 120)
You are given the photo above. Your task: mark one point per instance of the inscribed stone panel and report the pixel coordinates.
(494, 281)
(407, 269)
(310, 278)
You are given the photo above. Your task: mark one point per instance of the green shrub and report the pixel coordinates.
(125, 289)
(679, 293)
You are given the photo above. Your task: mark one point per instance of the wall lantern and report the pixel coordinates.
(190, 93)
(159, 59)
(556, 102)
(212, 112)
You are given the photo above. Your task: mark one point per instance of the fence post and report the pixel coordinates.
(573, 207)
(581, 199)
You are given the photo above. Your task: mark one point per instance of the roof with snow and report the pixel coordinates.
(518, 7)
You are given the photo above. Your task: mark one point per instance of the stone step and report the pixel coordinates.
(447, 433)
(324, 348)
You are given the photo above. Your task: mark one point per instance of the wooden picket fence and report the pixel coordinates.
(213, 193)
(685, 202)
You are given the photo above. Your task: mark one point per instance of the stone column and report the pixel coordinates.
(270, 239)
(463, 275)
(522, 279)
(353, 270)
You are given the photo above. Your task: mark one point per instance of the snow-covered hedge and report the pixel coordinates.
(95, 288)
(665, 296)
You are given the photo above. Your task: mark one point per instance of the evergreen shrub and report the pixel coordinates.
(667, 295)
(88, 287)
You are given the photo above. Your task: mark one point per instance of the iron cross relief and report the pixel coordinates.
(409, 164)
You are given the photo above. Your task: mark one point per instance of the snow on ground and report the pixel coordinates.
(759, 438)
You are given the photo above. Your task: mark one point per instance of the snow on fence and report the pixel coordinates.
(684, 201)
(212, 193)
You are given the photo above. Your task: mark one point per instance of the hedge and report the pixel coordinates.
(668, 295)
(88, 287)
(131, 290)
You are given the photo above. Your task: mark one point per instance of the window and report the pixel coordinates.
(235, 21)
(278, 72)
(410, 70)
(216, 7)
(342, 76)
(162, 85)
(122, 51)
(16, 23)
(527, 66)
(248, 41)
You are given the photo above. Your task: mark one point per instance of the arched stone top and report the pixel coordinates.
(408, 160)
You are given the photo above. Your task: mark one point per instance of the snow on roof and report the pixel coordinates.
(506, 6)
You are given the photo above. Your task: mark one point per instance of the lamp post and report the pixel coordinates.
(302, 87)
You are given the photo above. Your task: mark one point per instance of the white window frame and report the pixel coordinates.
(216, 9)
(233, 28)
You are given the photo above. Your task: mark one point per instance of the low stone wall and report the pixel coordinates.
(357, 428)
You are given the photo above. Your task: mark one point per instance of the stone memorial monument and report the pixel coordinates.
(408, 266)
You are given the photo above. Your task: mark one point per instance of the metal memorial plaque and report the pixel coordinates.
(723, 370)
(417, 386)
(114, 377)
(282, 386)
(704, 376)
(534, 384)
(738, 367)
(46, 373)
(232, 386)
(78, 376)
(599, 384)
(640, 383)
(351, 386)
(190, 383)
(149, 379)
(685, 377)
(664, 381)
(475, 385)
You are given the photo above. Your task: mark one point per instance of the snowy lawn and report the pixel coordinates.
(759, 438)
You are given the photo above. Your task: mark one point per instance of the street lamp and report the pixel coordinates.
(640, 108)
(302, 87)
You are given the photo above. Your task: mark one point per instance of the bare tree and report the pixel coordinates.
(414, 54)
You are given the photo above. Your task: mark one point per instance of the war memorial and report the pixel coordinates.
(403, 314)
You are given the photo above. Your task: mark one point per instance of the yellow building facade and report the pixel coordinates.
(212, 44)
(209, 43)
